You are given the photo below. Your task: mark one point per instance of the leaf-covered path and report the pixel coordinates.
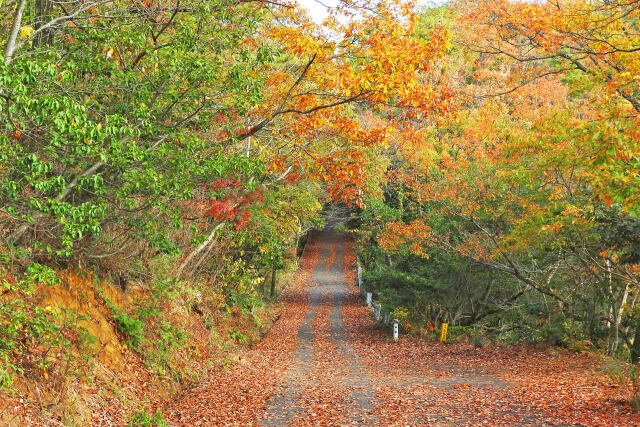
(323, 363)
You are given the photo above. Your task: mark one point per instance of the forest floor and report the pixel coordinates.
(324, 363)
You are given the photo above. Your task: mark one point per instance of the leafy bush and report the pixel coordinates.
(161, 338)
(130, 327)
(459, 333)
(238, 336)
(401, 313)
(144, 419)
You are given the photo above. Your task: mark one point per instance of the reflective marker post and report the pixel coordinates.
(360, 285)
(396, 322)
(443, 332)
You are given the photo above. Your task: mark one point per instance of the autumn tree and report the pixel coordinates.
(509, 211)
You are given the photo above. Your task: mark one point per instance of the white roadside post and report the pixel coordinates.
(396, 322)
(376, 311)
(360, 287)
(368, 299)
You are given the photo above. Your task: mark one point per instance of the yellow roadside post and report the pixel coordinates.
(443, 332)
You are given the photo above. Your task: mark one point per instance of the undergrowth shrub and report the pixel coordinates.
(144, 419)
(161, 340)
(130, 326)
(627, 378)
(459, 333)
(238, 336)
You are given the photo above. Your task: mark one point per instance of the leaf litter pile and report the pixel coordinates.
(323, 363)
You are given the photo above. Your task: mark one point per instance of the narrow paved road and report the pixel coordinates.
(324, 363)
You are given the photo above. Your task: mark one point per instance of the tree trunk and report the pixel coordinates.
(635, 349)
(44, 10)
(273, 282)
(618, 321)
(200, 248)
(10, 47)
